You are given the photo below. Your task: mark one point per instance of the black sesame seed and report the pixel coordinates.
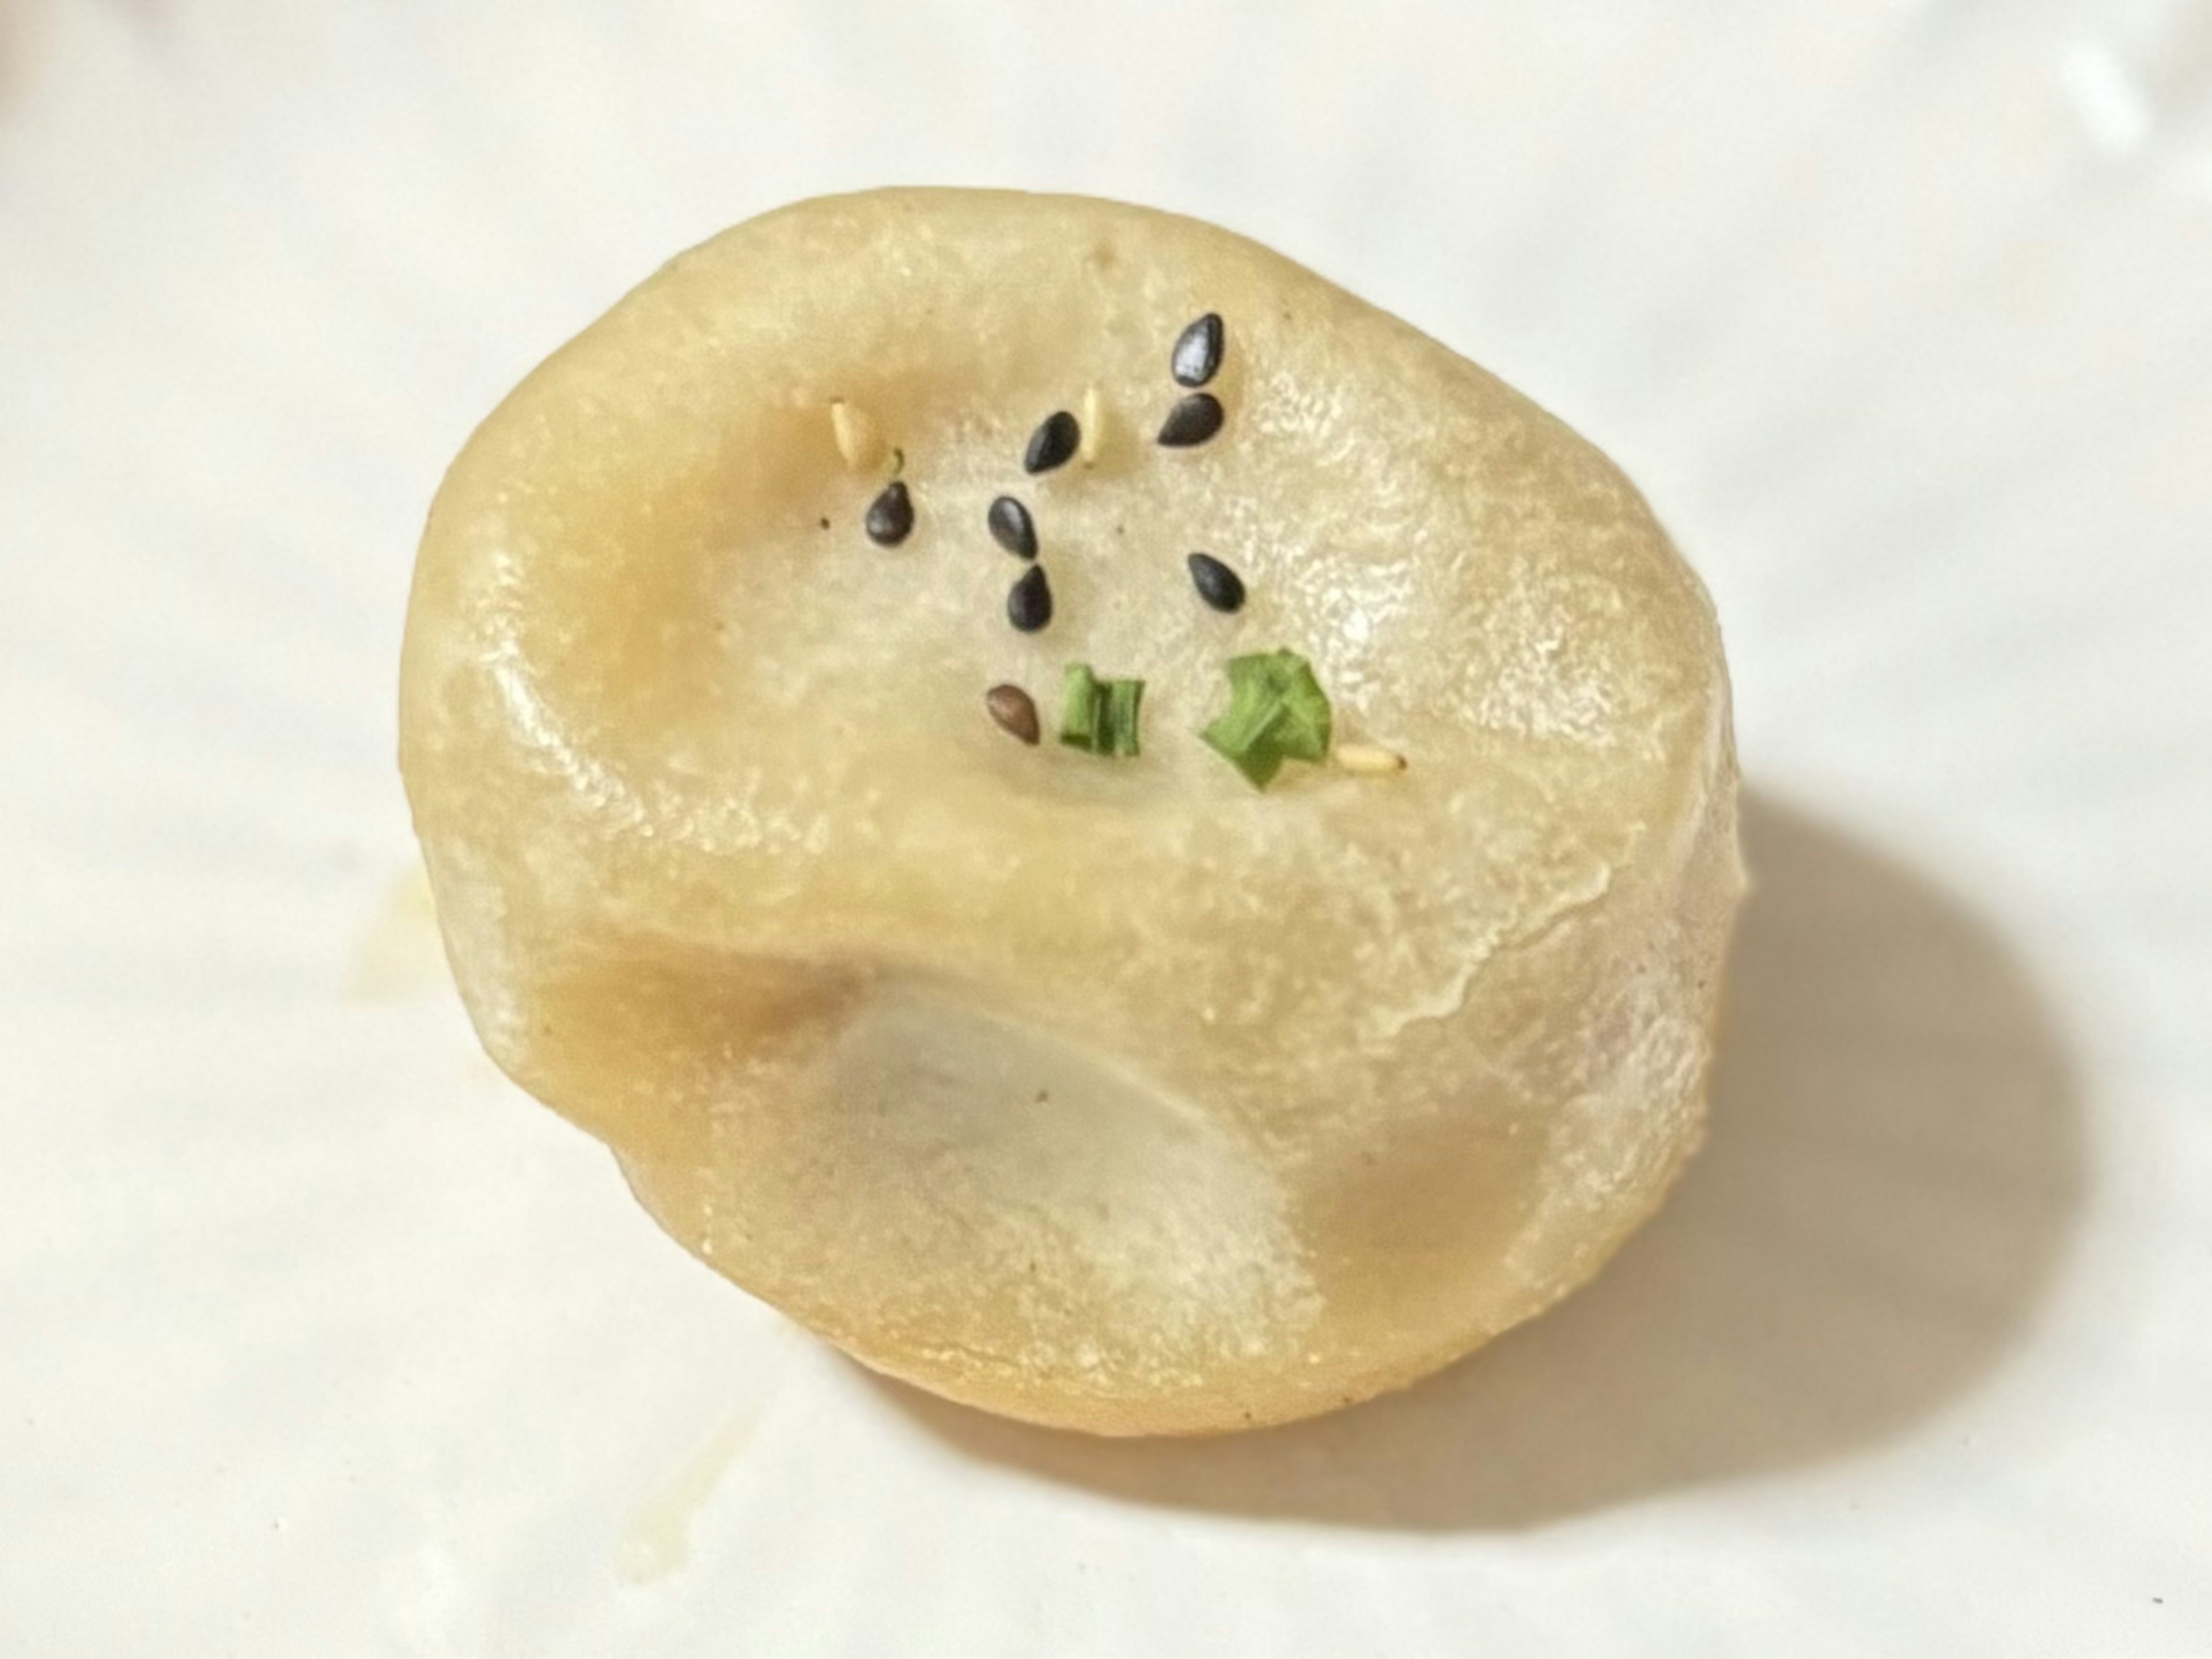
(1192, 420)
(1028, 601)
(1011, 527)
(1216, 583)
(1014, 711)
(1053, 443)
(1196, 358)
(891, 516)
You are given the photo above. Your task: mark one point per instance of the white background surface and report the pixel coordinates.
(316, 1337)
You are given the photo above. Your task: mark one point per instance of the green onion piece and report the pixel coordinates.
(1123, 698)
(1276, 712)
(1099, 716)
(1245, 736)
(1081, 702)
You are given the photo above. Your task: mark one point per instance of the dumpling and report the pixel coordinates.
(1327, 988)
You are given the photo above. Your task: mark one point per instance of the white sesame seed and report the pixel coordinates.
(1094, 426)
(859, 440)
(1368, 759)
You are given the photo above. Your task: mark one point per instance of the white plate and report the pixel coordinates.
(321, 1339)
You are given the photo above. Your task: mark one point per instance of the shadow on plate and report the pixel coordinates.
(1896, 1161)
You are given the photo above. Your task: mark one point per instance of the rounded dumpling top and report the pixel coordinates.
(1101, 1088)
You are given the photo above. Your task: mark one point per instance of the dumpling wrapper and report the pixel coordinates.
(1112, 1094)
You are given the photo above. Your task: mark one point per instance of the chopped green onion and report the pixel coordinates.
(1123, 698)
(1276, 712)
(1079, 706)
(1099, 716)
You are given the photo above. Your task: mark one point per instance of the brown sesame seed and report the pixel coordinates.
(1014, 711)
